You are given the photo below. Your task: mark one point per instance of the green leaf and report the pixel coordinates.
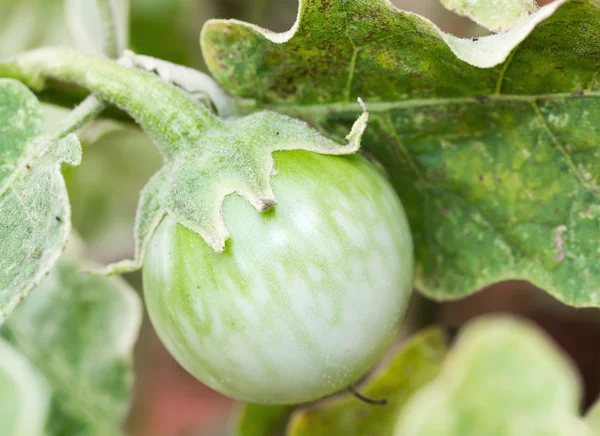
(502, 378)
(497, 168)
(260, 420)
(78, 331)
(24, 394)
(34, 207)
(415, 364)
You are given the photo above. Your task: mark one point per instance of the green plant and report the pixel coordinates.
(277, 262)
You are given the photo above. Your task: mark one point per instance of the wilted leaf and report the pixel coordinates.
(34, 207)
(502, 378)
(416, 363)
(498, 168)
(78, 331)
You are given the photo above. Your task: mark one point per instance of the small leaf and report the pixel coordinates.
(415, 364)
(78, 331)
(498, 169)
(34, 207)
(502, 378)
(260, 420)
(498, 15)
(24, 394)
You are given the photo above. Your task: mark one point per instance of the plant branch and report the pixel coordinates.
(167, 114)
(78, 117)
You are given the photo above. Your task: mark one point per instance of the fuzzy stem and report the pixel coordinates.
(167, 114)
(78, 117)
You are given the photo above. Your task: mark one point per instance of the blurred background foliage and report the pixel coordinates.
(119, 159)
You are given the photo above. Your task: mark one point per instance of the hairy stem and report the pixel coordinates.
(167, 114)
(78, 117)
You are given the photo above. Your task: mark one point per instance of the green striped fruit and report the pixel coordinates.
(305, 298)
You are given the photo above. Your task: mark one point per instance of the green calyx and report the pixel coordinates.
(206, 158)
(234, 157)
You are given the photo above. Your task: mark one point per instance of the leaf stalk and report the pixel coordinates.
(166, 113)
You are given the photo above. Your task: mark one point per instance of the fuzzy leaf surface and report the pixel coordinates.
(498, 168)
(35, 214)
(77, 331)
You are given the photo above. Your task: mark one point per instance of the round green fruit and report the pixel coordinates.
(306, 296)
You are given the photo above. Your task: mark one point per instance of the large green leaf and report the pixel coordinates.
(498, 168)
(76, 332)
(502, 378)
(34, 207)
(415, 364)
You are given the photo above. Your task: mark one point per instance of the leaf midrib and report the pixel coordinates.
(251, 106)
(317, 111)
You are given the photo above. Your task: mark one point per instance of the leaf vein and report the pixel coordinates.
(24, 206)
(563, 151)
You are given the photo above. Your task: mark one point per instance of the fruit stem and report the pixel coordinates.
(167, 114)
(371, 401)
